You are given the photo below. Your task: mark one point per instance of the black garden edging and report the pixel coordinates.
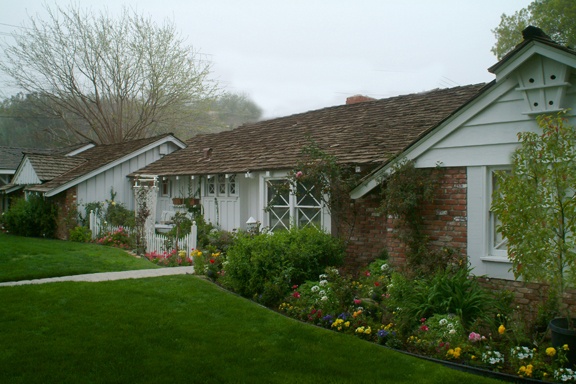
(472, 369)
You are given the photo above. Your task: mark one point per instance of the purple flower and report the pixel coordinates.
(382, 333)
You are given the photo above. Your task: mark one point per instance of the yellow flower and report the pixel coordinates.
(347, 324)
(550, 351)
(501, 329)
(368, 331)
(565, 347)
(473, 357)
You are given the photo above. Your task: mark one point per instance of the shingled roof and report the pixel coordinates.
(95, 158)
(48, 166)
(368, 133)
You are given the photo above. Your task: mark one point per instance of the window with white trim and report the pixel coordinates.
(498, 245)
(222, 185)
(286, 208)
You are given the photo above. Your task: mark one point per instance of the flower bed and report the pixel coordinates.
(380, 305)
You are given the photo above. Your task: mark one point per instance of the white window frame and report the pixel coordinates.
(494, 252)
(222, 185)
(293, 207)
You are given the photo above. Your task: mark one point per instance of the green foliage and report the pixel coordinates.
(80, 234)
(446, 292)
(554, 17)
(118, 215)
(34, 217)
(329, 180)
(536, 204)
(404, 193)
(255, 264)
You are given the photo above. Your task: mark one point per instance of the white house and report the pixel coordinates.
(89, 173)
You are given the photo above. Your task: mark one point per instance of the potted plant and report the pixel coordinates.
(536, 205)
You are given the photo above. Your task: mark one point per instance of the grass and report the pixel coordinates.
(181, 329)
(31, 258)
(178, 329)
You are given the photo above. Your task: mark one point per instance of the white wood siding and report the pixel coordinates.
(26, 174)
(98, 188)
(486, 138)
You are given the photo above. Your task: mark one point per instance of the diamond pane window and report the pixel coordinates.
(232, 185)
(278, 204)
(211, 186)
(222, 185)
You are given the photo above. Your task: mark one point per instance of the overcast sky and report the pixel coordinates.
(291, 56)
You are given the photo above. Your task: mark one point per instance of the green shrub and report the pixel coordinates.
(445, 292)
(265, 266)
(80, 234)
(35, 217)
(118, 215)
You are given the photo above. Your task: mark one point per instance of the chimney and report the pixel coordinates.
(358, 99)
(207, 153)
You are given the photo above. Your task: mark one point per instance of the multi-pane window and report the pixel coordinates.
(308, 206)
(222, 185)
(278, 204)
(165, 187)
(301, 207)
(498, 244)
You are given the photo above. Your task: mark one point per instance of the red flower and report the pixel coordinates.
(295, 287)
(296, 295)
(356, 301)
(367, 273)
(212, 261)
(377, 283)
(424, 328)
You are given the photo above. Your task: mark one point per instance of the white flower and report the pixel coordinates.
(322, 293)
(323, 276)
(323, 283)
(452, 331)
(450, 326)
(324, 298)
(443, 322)
(315, 288)
(384, 267)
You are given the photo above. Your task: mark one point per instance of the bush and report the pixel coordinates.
(257, 265)
(35, 217)
(446, 292)
(81, 234)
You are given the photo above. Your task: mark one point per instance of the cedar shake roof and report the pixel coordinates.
(95, 158)
(47, 167)
(10, 157)
(368, 133)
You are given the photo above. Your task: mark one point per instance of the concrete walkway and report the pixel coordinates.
(107, 276)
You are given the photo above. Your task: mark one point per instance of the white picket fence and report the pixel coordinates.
(155, 242)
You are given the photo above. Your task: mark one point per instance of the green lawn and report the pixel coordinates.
(178, 329)
(23, 258)
(181, 329)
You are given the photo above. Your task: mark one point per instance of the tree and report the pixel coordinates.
(23, 125)
(109, 79)
(536, 205)
(554, 17)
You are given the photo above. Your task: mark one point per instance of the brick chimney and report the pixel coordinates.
(358, 99)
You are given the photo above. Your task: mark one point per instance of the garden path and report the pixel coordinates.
(107, 276)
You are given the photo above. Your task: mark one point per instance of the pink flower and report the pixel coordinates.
(424, 328)
(294, 287)
(356, 301)
(423, 320)
(296, 295)
(367, 273)
(299, 174)
(474, 337)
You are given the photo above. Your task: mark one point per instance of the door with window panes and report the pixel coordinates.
(221, 201)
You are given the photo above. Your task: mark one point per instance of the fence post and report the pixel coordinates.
(92, 224)
(193, 237)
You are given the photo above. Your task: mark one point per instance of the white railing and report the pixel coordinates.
(154, 242)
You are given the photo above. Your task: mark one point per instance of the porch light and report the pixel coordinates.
(248, 175)
(192, 177)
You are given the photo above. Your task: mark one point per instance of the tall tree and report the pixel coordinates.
(109, 79)
(557, 18)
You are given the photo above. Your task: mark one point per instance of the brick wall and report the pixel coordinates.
(527, 297)
(67, 211)
(372, 233)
